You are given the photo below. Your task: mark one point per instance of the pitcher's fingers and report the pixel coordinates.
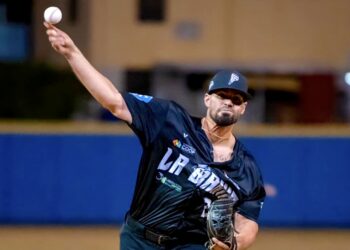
(50, 32)
(220, 244)
(57, 42)
(55, 46)
(52, 39)
(48, 25)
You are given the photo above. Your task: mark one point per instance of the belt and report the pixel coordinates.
(149, 234)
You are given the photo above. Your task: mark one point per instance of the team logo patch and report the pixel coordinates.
(184, 147)
(143, 98)
(166, 181)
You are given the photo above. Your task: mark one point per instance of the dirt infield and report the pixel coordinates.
(107, 238)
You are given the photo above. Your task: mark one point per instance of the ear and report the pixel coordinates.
(243, 107)
(206, 100)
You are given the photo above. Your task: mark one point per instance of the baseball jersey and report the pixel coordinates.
(177, 171)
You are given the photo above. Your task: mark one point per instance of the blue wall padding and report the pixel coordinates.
(66, 178)
(311, 176)
(74, 179)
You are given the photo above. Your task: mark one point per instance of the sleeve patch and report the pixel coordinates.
(143, 98)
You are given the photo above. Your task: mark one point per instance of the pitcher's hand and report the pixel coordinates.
(60, 41)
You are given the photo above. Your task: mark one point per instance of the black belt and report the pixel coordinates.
(160, 239)
(151, 235)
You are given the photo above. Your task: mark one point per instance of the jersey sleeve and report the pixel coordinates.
(251, 209)
(148, 115)
(253, 203)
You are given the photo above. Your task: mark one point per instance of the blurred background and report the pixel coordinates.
(68, 168)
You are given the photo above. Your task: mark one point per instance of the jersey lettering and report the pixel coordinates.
(179, 164)
(199, 175)
(163, 165)
(202, 176)
(210, 183)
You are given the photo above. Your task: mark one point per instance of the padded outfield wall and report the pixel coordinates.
(87, 176)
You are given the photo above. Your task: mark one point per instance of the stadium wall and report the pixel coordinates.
(75, 178)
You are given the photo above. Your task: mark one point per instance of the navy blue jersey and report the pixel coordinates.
(177, 170)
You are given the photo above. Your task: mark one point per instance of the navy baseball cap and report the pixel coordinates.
(229, 80)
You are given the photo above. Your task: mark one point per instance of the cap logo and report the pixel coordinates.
(234, 78)
(211, 84)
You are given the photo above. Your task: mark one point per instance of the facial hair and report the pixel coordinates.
(224, 119)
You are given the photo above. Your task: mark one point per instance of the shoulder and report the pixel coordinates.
(151, 108)
(131, 98)
(146, 106)
(178, 113)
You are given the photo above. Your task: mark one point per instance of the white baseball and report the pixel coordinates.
(53, 15)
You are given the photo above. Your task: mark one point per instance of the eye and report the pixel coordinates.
(237, 100)
(222, 95)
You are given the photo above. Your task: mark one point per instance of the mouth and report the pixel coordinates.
(226, 110)
(226, 113)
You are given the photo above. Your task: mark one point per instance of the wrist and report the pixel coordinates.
(72, 54)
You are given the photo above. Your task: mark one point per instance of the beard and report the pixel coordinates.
(224, 119)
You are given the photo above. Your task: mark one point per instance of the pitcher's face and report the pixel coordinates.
(225, 107)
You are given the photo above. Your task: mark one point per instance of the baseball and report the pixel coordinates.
(53, 15)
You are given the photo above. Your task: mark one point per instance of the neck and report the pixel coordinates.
(215, 133)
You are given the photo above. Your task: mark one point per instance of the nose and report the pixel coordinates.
(228, 102)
